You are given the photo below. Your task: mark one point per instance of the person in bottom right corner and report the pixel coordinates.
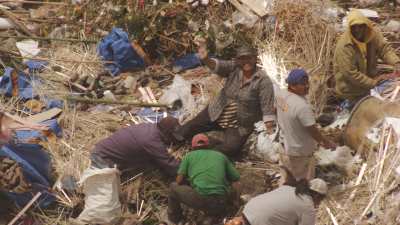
(285, 205)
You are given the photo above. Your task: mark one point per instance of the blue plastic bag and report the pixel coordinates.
(25, 89)
(116, 47)
(186, 62)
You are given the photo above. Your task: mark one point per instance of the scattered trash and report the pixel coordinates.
(187, 62)
(5, 24)
(392, 26)
(367, 3)
(180, 90)
(246, 20)
(341, 157)
(28, 48)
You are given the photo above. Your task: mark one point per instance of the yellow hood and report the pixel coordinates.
(356, 17)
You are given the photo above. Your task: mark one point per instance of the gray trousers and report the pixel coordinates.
(213, 205)
(233, 139)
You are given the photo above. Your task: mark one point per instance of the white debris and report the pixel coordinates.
(266, 147)
(179, 90)
(247, 20)
(366, 3)
(392, 26)
(28, 48)
(341, 157)
(5, 24)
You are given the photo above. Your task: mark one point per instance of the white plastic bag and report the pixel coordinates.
(268, 149)
(5, 24)
(101, 188)
(341, 157)
(179, 90)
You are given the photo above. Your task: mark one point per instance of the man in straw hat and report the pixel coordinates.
(246, 98)
(356, 56)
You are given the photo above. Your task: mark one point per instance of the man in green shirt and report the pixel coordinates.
(209, 173)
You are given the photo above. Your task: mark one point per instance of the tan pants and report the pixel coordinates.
(301, 167)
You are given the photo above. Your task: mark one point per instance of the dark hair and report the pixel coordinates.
(167, 127)
(303, 188)
(290, 180)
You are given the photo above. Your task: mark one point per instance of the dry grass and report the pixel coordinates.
(301, 39)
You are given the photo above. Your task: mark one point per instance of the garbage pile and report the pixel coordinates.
(102, 65)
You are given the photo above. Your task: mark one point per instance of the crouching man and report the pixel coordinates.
(286, 205)
(210, 174)
(135, 148)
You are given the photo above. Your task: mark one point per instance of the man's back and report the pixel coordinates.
(280, 207)
(294, 116)
(137, 146)
(208, 171)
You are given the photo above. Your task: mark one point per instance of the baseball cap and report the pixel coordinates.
(199, 140)
(296, 76)
(319, 186)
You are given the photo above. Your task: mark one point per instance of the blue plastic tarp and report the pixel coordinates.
(186, 62)
(155, 116)
(24, 136)
(25, 89)
(116, 47)
(34, 65)
(35, 163)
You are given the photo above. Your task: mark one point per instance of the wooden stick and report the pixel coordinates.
(27, 206)
(16, 55)
(133, 178)
(369, 205)
(382, 161)
(172, 40)
(140, 210)
(395, 93)
(104, 101)
(15, 21)
(334, 221)
(36, 2)
(49, 39)
(358, 181)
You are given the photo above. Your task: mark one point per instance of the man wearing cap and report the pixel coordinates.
(285, 205)
(135, 148)
(246, 98)
(210, 174)
(356, 56)
(297, 122)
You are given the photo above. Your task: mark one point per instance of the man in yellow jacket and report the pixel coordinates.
(356, 56)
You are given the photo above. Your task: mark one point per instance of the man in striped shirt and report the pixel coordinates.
(246, 98)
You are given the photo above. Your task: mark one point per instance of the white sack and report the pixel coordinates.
(101, 188)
